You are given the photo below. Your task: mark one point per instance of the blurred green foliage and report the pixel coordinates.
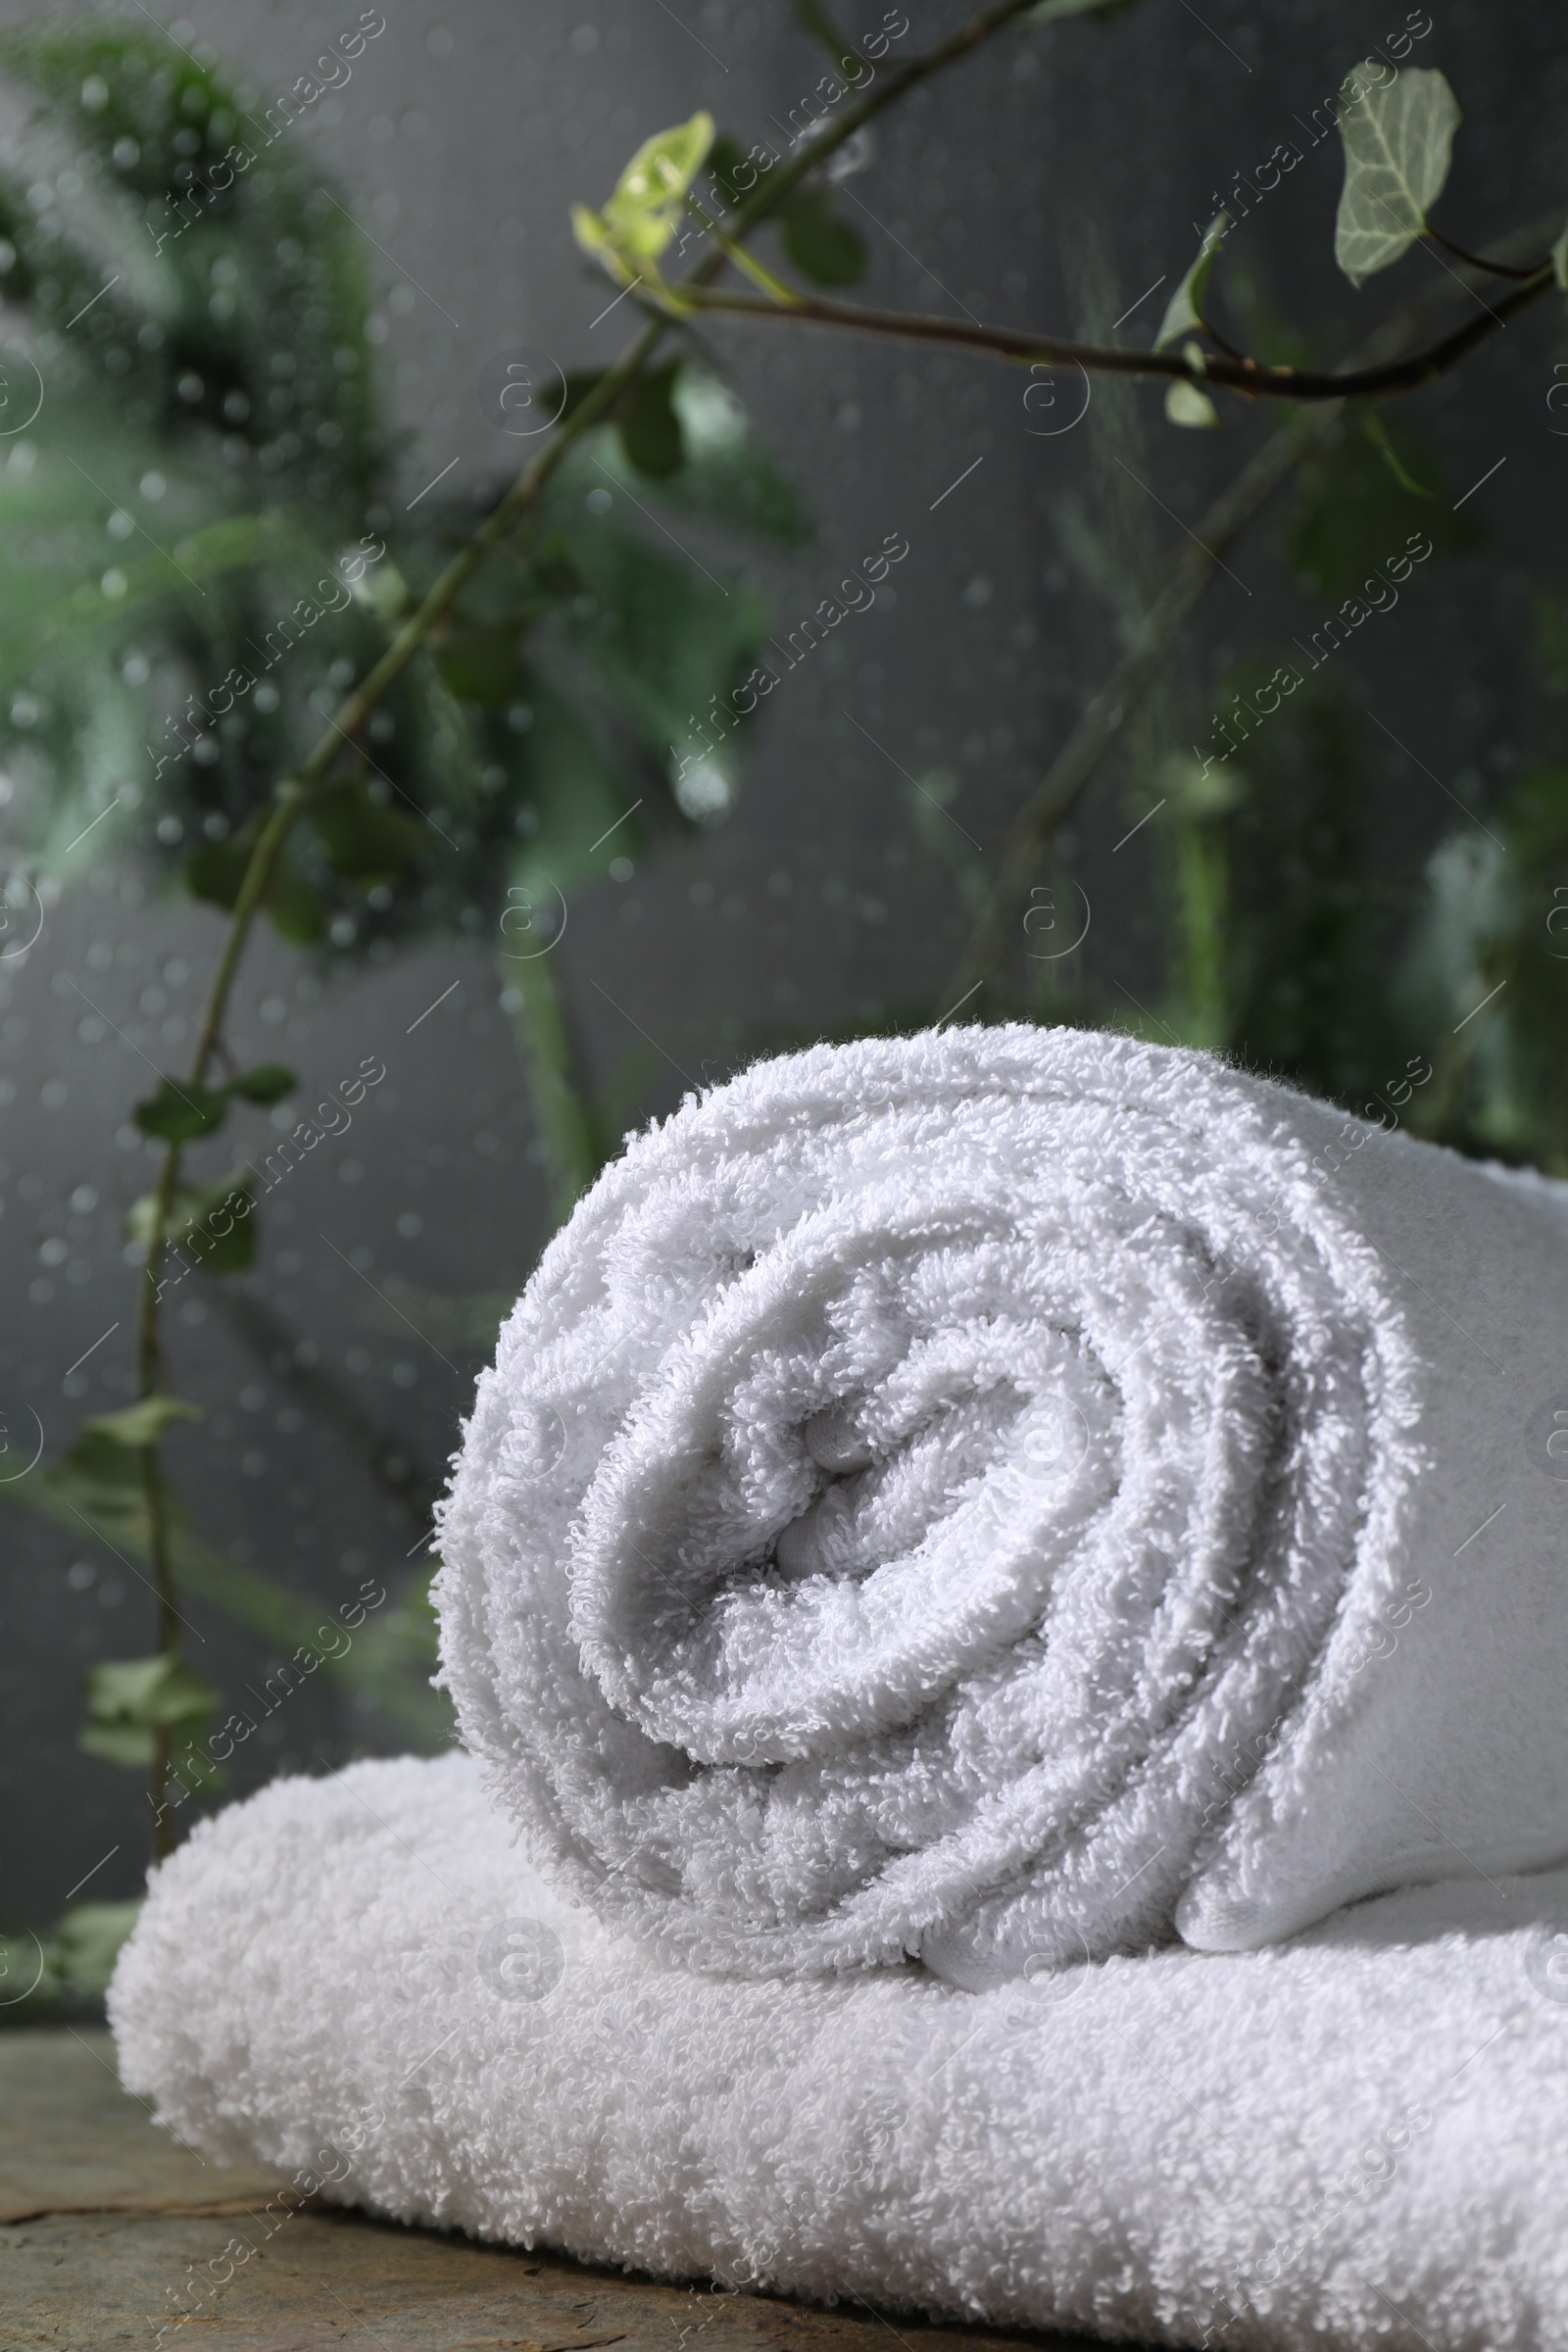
(65, 1971)
(203, 553)
(199, 523)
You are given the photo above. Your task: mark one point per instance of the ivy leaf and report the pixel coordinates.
(1185, 403)
(214, 869)
(269, 1082)
(1353, 510)
(645, 414)
(726, 159)
(142, 1424)
(178, 1114)
(140, 1220)
(648, 424)
(661, 640)
(575, 790)
(298, 913)
(1398, 139)
(87, 1942)
(209, 1221)
(1377, 432)
(822, 247)
(639, 220)
(1184, 311)
(364, 842)
(130, 1701)
(100, 1479)
(133, 1744)
(150, 1690)
(730, 476)
(212, 1222)
(576, 385)
(478, 661)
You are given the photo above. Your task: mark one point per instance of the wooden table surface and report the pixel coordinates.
(103, 2216)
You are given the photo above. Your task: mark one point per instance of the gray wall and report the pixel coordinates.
(1055, 178)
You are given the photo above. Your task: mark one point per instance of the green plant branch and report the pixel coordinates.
(1253, 378)
(574, 1122)
(568, 1120)
(1478, 261)
(289, 800)
(1097, 729)
(562, 1109)
(894, 85)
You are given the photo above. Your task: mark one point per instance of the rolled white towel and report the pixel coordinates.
(1002, 1493)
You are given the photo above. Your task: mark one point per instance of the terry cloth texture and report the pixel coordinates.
(1009, 1494)
(1351, 2140)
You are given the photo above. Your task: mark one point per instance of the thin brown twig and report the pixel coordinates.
(1476, 260)
(1253, 378)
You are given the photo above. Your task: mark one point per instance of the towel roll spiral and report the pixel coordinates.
(913, 1495)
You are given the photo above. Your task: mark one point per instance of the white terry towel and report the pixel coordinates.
(1000, 1494)
(1352, 2139)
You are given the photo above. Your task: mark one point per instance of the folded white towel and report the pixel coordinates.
(1000, 1494)
(1354, 2139)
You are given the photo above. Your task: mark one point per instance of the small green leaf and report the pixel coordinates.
(212, 1224)
(1184, 311)
(130, 1701)
(1377, 432)
(648, 427)
(1185, 404)
(298, 914)
(365, 840)
(646, 418)
(129, 1743)
(143, 1424)
(822, 247)
(100, 1478)
(592, 232)
(639, 218)
(211, 1221)
(1195, 791)
(1559, 259)
(87, 1941)
(151, 1691)
(383, 591)
(267, 1082)
(142, 1219)
(178, 1114)
(214, 869)
(1398, 139)
(577, 383)
(1353, 513)
(726, 161)
(478, 661)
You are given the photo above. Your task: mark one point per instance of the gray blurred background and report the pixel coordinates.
(1053, 182)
